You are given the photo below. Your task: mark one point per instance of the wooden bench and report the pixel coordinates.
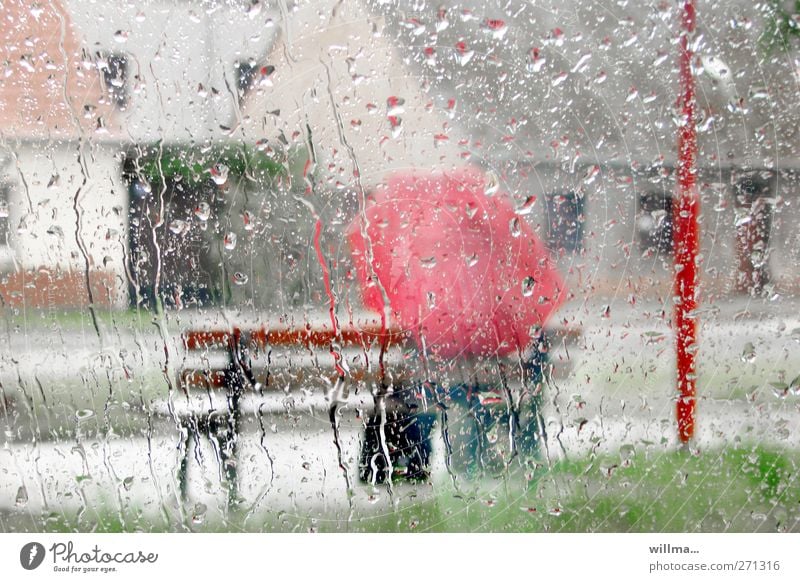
(230, 372)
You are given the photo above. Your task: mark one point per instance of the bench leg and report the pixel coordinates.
(184, 464)
(228, 433)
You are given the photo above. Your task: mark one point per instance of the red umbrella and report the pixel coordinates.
(459, 267)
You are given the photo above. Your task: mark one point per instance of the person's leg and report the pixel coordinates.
(488, 433)
(530, 434)
(404, 433)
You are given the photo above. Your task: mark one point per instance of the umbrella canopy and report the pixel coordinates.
(458, 265)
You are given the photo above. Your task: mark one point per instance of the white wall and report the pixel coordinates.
(56, 189)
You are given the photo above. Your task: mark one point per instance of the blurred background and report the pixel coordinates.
(170, 169)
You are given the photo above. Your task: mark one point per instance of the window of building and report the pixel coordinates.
(114, 69)
(5, 191)
(245, 76)
(565, 218)
(654, 222)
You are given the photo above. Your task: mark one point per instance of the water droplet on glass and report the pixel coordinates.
(84, 414)
(749, 353)
(395, 106)
(3, 209)
(202, 211)
(396, 125)
(471, 209)
(515, 227)
(555, 37)
(492, 184)
(580, 66)
(463, 53)
(199, 513)
(496, 27)
(22, 497)
(55, 230)
(121, 36)
(559, 79)
(715, 68)
(526, 207)
(254, 9)
(25, 63)
(536, 60)
(428, 262)
(471, 260)
(248, 220)
(230, 241)
(780, 390)
(441, 20)
(794, 386)
(142, 188)
(431, 297)
(653, 337)
(528, 283)
(591, 173)
(240, 278)
(219, 173)
(177, 226)
(737, 107)
(127, 483)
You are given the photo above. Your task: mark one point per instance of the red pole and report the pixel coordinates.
(686, 209)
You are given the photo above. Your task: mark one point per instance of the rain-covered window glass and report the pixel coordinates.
(372, 265)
